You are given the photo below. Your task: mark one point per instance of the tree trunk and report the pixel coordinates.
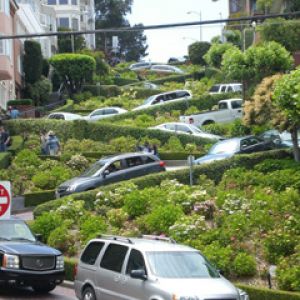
(296, 150)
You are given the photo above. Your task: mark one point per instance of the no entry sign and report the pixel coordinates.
(5, 199)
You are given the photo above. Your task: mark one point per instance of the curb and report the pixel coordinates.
(68, 284)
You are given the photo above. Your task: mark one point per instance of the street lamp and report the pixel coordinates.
(200, 18)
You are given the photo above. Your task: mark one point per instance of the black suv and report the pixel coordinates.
(24, 261)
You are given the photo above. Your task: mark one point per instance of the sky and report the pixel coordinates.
(166, 43)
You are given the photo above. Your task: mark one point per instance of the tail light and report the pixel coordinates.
(162, 163)
(75, 270)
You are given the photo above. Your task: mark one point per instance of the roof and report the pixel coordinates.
(125, 155)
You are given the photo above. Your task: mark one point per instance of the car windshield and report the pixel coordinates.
(93, 169)
(226, 147)
(15, 230)
(148, 100)
(180, 264)
(215, 88)
(195, 129)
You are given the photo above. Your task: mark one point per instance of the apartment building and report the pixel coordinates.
(248, 7)
(10, 64)
(77, 15)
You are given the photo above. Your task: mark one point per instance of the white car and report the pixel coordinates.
(166, 97)
(226, 88)
(64, 116)
(183, 128)
(140, 66)
(104, 112)
(166, 69)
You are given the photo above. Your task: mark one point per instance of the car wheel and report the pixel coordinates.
(43, 288)
(88, 294)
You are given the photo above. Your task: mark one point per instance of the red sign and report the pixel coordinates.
(4, 200)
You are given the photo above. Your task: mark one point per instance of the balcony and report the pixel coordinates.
(6, 70)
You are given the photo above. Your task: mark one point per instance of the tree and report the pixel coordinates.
(214, 55)
(256, 62)
(285, 32)
(234, 37)
(73, 69)
(112, 14)
(33, 62)
(264, 5)
(287, 98)
(65, 42)
(196, 52)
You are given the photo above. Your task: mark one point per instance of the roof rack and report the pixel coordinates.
(158, 238)
(116, 238)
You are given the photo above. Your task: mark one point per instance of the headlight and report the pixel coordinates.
(11, 261)
(243, 295)
(71, 188)
(60, 262)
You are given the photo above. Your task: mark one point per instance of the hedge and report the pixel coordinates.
(81, 129)
(68, 107)
(204, 102)
(124, 81)
(256, 293)
(36, 198)
(70, 264)
(17, 102)
(5, 158)
(175, 78)
(103, 90)
(16, 145)
(213, 171)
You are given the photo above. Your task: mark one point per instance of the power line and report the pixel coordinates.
(149, 27)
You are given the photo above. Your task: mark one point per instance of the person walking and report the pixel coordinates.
(43, 140)
(52, 144)
(4, 139)
(14, 113)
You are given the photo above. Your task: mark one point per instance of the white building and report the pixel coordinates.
(78, 15)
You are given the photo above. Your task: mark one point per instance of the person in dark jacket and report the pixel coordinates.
(52, 144)
(4, 139)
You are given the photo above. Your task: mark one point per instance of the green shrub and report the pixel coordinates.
(90, 227)
(17, 102)
(257, 293)
(36, 198)
(137, 203)
(244, 265)
(160, 219)
(68, 107)
(27, 158)
(62, 239)
(17, 144)
(70, 264)
(103, 90)
(45, 224)
(5, 158)
(117, 217)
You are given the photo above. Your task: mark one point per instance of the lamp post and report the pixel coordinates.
(200, 18)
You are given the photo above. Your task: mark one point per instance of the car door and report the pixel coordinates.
(96, 115)
(114, 172)
(252, 144)
(236, 108)
(108, 112)
(134, 167)
(109, 278)
(133, 288)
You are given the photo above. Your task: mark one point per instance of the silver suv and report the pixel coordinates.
(148, 268)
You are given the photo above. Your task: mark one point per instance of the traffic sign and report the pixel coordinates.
(5, 199)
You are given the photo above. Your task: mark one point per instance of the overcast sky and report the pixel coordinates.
(166, 43)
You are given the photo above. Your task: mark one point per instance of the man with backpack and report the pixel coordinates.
(5, 139)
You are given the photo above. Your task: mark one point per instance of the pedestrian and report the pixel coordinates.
(155, 150)
(146, 147)
(14, 113)
(43, 140)
(5, 139)
(52, 144)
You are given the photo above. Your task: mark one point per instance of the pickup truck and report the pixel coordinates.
(228, 110)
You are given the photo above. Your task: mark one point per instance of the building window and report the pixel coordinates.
(64, 22)
(74, 2)
(63, 2)
(234, 6)
(51, 2)
(2, 47)
(4, 7)
(75, 24)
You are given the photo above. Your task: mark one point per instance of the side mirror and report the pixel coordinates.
(138, 274)
(38, 237)
(105, 173)
(277, 141)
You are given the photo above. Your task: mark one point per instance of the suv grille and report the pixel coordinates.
(38, 263)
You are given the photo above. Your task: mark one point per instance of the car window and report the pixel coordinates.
(114, 166)
(223, 88)
(230, 89)
(109, 111)
(215, 88)
(182, 94)
(158, 99)
(93, 169)
(91, 252)
(183, 128)
(223, 105)
(134, 161)
(170, 96)
(113, 257)
(135, 262)
(170, 126)
(98, 113)
(236, 104)
(147, 160)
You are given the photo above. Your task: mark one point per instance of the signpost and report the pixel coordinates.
(5, 200)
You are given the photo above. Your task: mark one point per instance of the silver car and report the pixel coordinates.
(112, 169)
(148, 268)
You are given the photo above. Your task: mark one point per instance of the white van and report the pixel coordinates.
(165, 98)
